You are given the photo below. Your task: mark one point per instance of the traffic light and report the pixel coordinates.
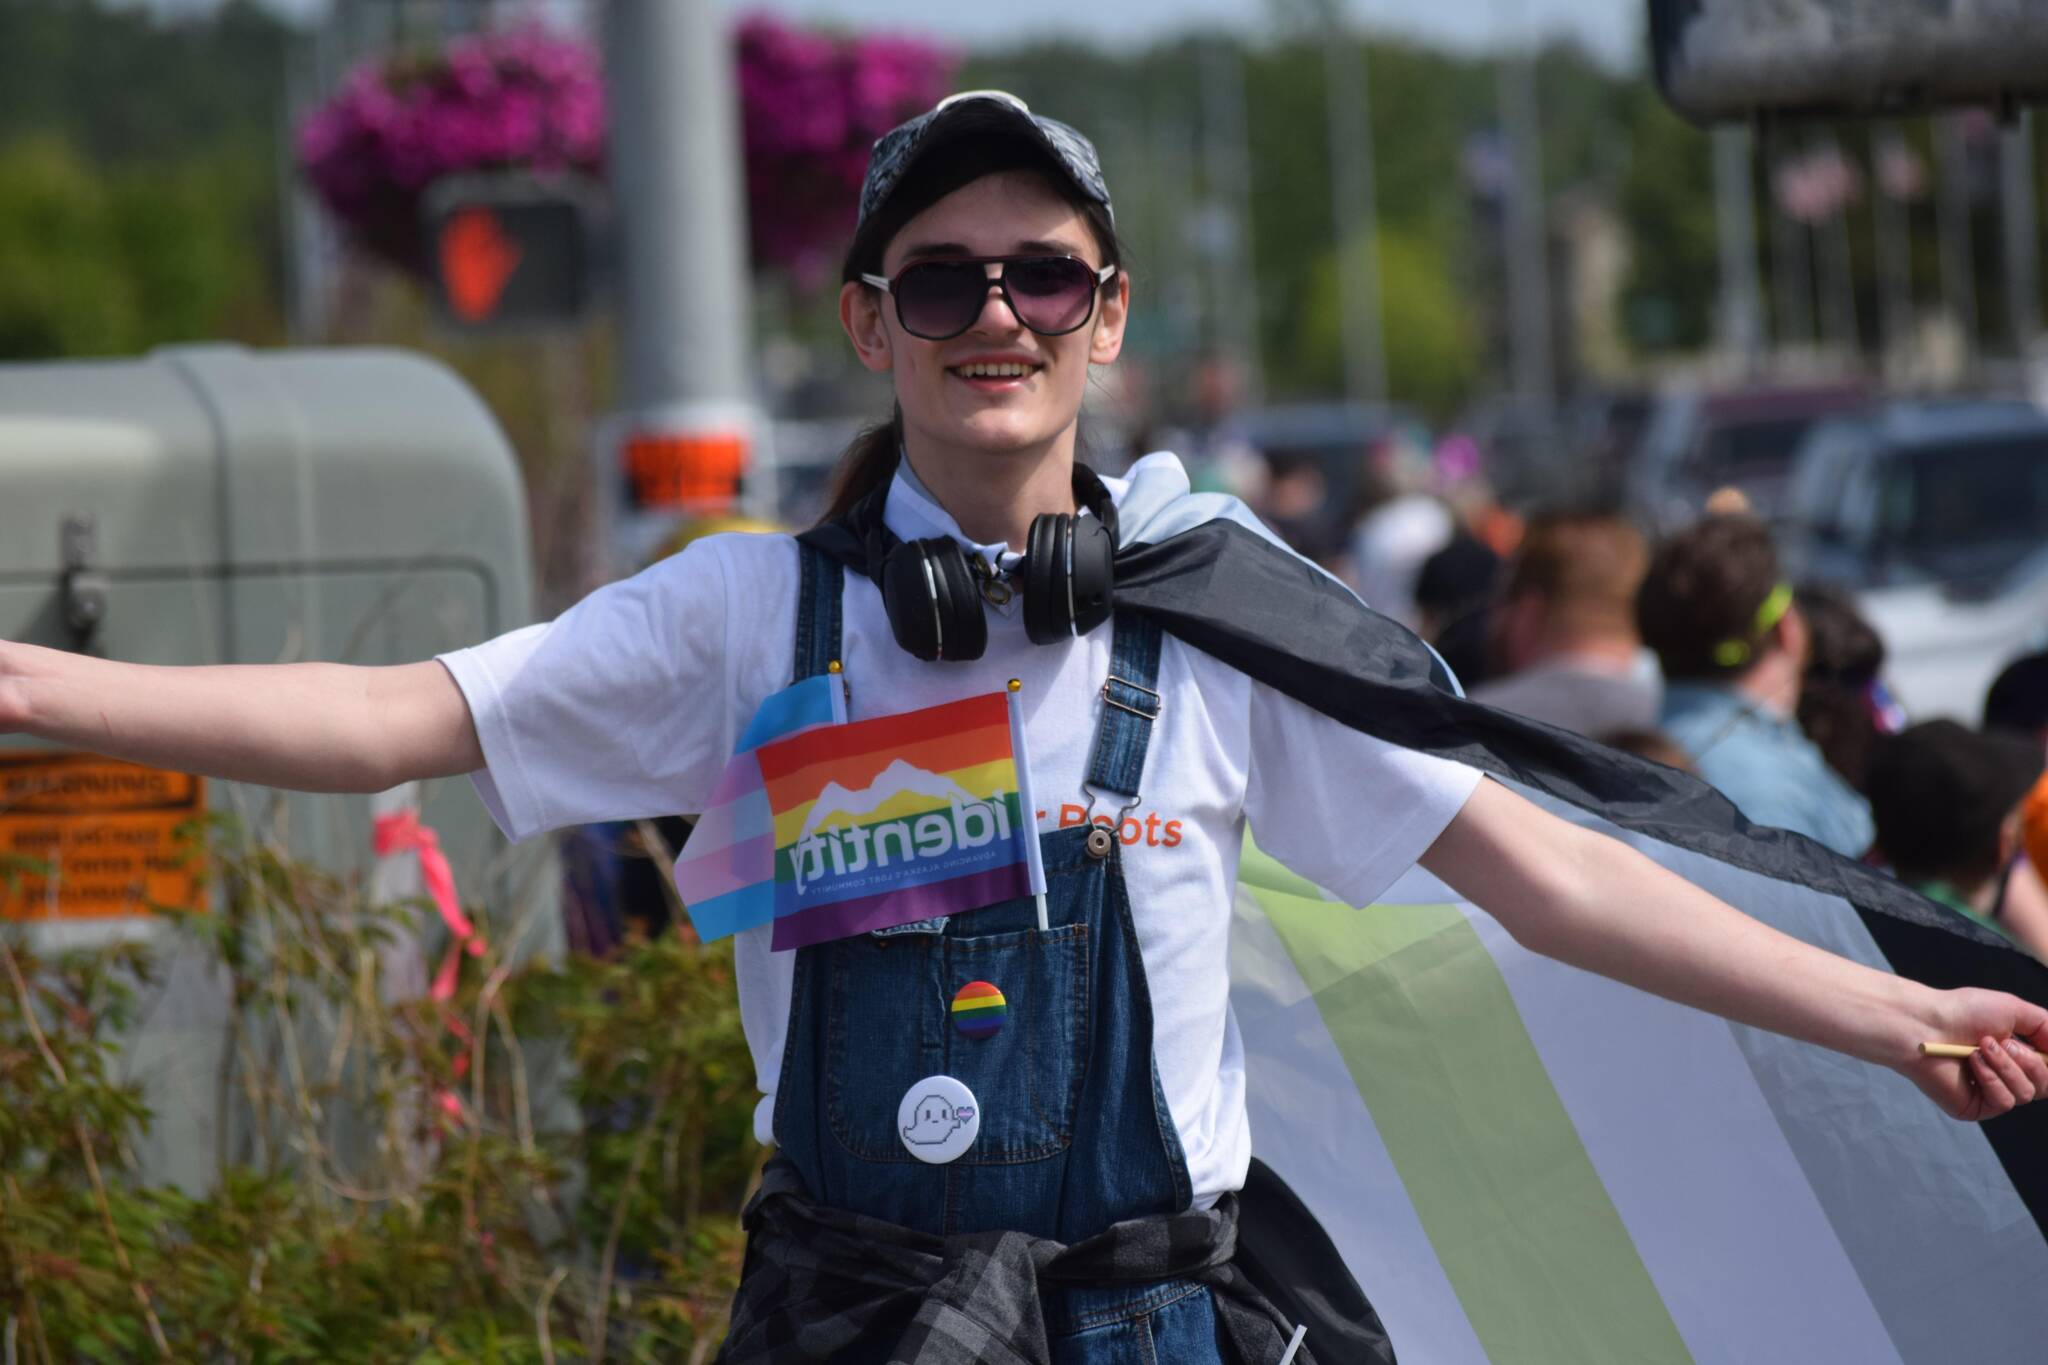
(511, 252)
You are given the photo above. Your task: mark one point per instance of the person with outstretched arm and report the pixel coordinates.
(1094, 1143)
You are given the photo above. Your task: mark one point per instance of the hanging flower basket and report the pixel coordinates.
(812, 106)
(522, 99)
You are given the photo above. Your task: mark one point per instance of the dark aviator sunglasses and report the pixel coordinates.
(939, 299)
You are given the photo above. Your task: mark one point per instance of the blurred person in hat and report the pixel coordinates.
(1946, 800)
(1166, 649)
(1454, 604)
(1733, 646)
(2018, 698)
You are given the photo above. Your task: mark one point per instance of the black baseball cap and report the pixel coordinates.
(979, 114)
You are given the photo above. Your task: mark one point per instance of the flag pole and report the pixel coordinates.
(1028, 802)
(1957, 1050)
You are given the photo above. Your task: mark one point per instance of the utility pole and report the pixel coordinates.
(1354, 213)
(1958, 266)
(1837, 273)
(1528, 238)
(1893, 220)
(682, 280)
(1233, 289)
(2022, 251)
(1791, 257)
(1742, 323)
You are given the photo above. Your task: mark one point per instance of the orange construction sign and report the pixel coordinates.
(83, 837)
(699, 470)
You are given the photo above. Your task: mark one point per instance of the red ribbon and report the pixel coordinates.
(399, 832)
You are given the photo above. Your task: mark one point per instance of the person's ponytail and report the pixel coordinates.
(869, 460)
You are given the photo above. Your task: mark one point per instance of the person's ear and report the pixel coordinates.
(860, 313)
(1106, 342)
(1792, 635)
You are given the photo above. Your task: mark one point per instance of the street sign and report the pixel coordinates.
(1731, 59)
(94, 838)
(511, 252)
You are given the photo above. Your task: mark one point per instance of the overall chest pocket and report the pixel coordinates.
(890, 1025)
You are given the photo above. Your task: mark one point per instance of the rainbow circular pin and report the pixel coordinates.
(978, 1009)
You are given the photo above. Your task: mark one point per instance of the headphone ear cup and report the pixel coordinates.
(1094, 574)
(1046, 621)
(909, 601)
(933, 608)
(964, 623)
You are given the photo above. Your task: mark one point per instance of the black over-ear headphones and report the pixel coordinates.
(934, 601)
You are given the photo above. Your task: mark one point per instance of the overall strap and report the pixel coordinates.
(817, 612)
(1130, 703)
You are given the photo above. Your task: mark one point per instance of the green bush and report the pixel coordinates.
(550, 1165)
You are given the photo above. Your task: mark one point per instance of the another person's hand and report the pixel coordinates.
(2007, 1069)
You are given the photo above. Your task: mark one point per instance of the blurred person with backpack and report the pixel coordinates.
(1733, 645)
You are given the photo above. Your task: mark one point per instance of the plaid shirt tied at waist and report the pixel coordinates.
(820, 1280)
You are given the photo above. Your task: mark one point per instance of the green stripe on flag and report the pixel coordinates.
(1526, 1232)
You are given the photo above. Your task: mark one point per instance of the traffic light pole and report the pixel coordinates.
(682, 280)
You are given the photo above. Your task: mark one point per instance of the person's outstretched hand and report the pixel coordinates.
(2007, 1069)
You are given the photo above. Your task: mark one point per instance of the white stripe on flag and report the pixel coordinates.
(1920, 1203)
(1692, 1158)
(1338, 1164)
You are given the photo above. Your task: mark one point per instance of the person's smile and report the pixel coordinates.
(996, 373)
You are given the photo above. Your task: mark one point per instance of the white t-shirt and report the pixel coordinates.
(628, 705)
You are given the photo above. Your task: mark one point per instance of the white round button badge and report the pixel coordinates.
(938, 1119)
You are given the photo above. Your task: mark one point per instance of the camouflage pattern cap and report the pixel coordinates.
(979, 113)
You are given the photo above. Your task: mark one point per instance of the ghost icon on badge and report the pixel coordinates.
(938, 1119)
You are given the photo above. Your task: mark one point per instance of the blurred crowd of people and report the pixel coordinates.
(1698, 652)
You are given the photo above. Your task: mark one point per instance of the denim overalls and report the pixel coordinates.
(1075, 1132)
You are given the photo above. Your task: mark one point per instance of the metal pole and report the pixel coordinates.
(1958, 267)
(1838, 283)
(1742, 323)
(1894, 226)
(1527, 236)
(1355, 217)
(1234, 292)
(2022, 251)
(683, 283)
(1791, 273)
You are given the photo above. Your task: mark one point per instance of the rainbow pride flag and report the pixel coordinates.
(830, 828)
(900, 818)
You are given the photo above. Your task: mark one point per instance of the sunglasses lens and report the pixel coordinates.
(940, 299)
(1053, 294)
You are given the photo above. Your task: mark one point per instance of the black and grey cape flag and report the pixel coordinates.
(1522, 1161)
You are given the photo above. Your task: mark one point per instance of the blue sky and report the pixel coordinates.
(1611, 28)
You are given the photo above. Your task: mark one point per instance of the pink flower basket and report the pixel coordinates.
(811, 106)
(521, 99)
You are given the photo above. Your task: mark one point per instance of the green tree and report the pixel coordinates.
(1667, 200)
(1432, 352)
(108, 263)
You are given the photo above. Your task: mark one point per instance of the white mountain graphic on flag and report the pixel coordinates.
(898, 779)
